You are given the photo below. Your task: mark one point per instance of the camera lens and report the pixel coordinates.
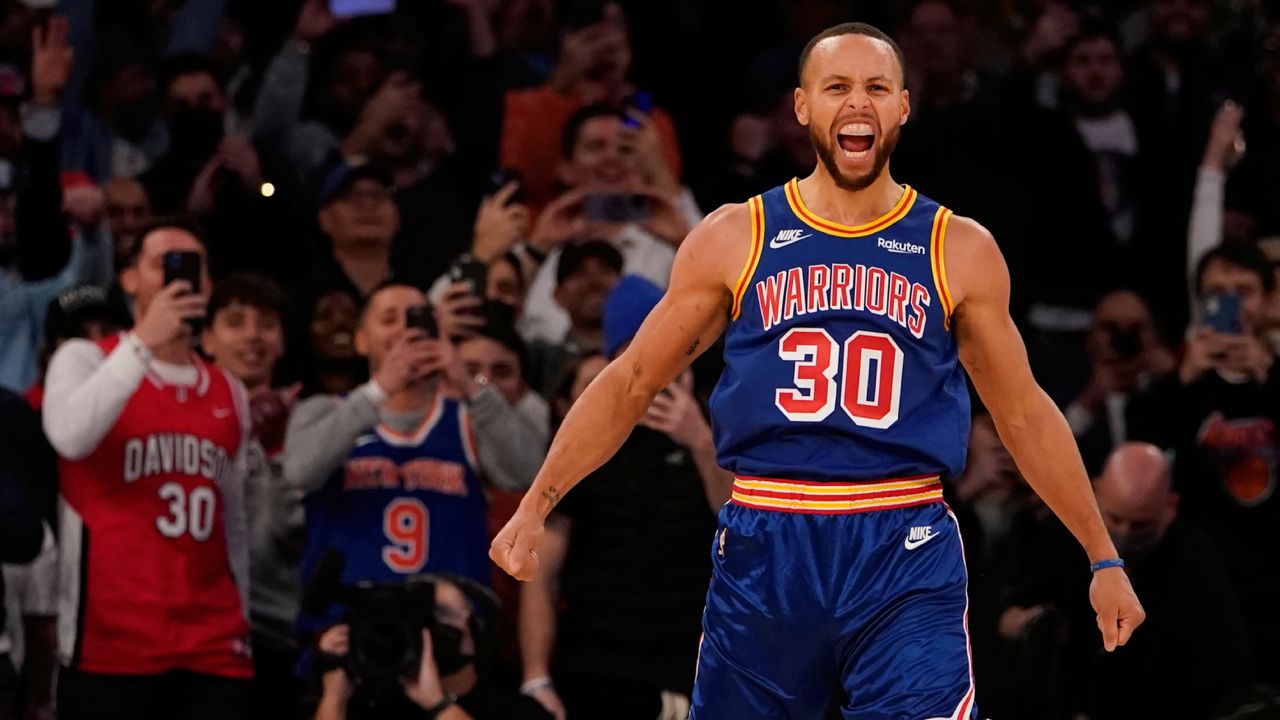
(382, 648)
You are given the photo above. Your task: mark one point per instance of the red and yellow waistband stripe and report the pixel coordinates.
(896, 213)
(822, 498)
(756, 206)
(937, 248)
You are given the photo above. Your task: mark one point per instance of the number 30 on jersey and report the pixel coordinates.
(871, 377)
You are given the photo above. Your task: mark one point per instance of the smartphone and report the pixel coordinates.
(356, 8)
(617, 207)
(641, 102)
(182, 265)
(467, 269)
(499, 179)
(1221, 312)
(421, 317)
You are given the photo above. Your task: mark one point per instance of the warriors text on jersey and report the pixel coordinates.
(840, 362)
(147, 583)
(404, 503)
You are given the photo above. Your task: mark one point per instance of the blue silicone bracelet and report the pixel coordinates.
(1104, 564)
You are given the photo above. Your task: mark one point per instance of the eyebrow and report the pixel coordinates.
(845, 78)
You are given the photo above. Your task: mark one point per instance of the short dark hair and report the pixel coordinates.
(1095, 28)
(185, 64)
(1243, 255)
(499, 326)
(573, 127)
(252, 289)
(851, 28)
(171, 222)
(574, 256)
(367, 301)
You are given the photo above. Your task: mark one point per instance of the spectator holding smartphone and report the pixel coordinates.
(595, 60)
(644, 214)
(154, 546)
(390, 472)
(1220, 412)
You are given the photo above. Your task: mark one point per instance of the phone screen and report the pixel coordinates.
(1222, 313)
(182, 265)
(354, 8)
(617, 207)
(421, 317)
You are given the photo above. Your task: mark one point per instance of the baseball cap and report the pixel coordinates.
(72, 308)
(343, 176)
(573, 257)
(631, 301)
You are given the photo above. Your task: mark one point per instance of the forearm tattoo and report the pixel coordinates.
(693, 346)
(551, 495)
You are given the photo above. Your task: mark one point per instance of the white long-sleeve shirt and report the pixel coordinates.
(85, 392)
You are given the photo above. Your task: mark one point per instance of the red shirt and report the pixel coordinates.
(145, 512)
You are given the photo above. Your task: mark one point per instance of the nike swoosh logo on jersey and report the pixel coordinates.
(786, 237)
(910, 544)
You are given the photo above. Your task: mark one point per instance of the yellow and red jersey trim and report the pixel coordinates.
(937, 247)
(756, 206)
(896, 213)
(831, 498)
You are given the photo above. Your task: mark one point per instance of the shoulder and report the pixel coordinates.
(720, 245)
(313, 407)
(973, 259)
(76, 353)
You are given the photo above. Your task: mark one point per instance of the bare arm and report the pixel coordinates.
(685, 322)
(1028, 422)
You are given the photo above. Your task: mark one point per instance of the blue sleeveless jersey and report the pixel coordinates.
(404, 504)
(840, 362)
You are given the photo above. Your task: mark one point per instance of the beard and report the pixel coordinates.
(827, 154)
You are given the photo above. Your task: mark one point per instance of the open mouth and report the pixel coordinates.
(856, 139)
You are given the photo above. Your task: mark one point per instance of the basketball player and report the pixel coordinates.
(850, 303)
(154, 556)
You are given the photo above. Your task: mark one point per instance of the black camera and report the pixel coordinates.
(386, 620)
(386, 623)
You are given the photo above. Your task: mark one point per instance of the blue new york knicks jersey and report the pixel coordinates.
(404, 504)
(840, 362)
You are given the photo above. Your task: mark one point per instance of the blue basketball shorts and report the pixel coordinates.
(836, 595)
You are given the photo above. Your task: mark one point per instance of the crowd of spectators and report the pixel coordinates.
(527, 169)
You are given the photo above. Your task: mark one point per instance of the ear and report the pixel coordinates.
(325, 219)
(802, 107)
(206, 335)
(129, 279)
(906, 107)
(361, 341)
(559, 296)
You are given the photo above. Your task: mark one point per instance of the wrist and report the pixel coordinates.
(1106, 563)
(533, 685)
(142, 347)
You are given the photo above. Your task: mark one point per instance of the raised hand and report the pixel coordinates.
(165, 320)
(406, 362)
(1226, 142)
(675, 412)
(52, 59)
(499, 225)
